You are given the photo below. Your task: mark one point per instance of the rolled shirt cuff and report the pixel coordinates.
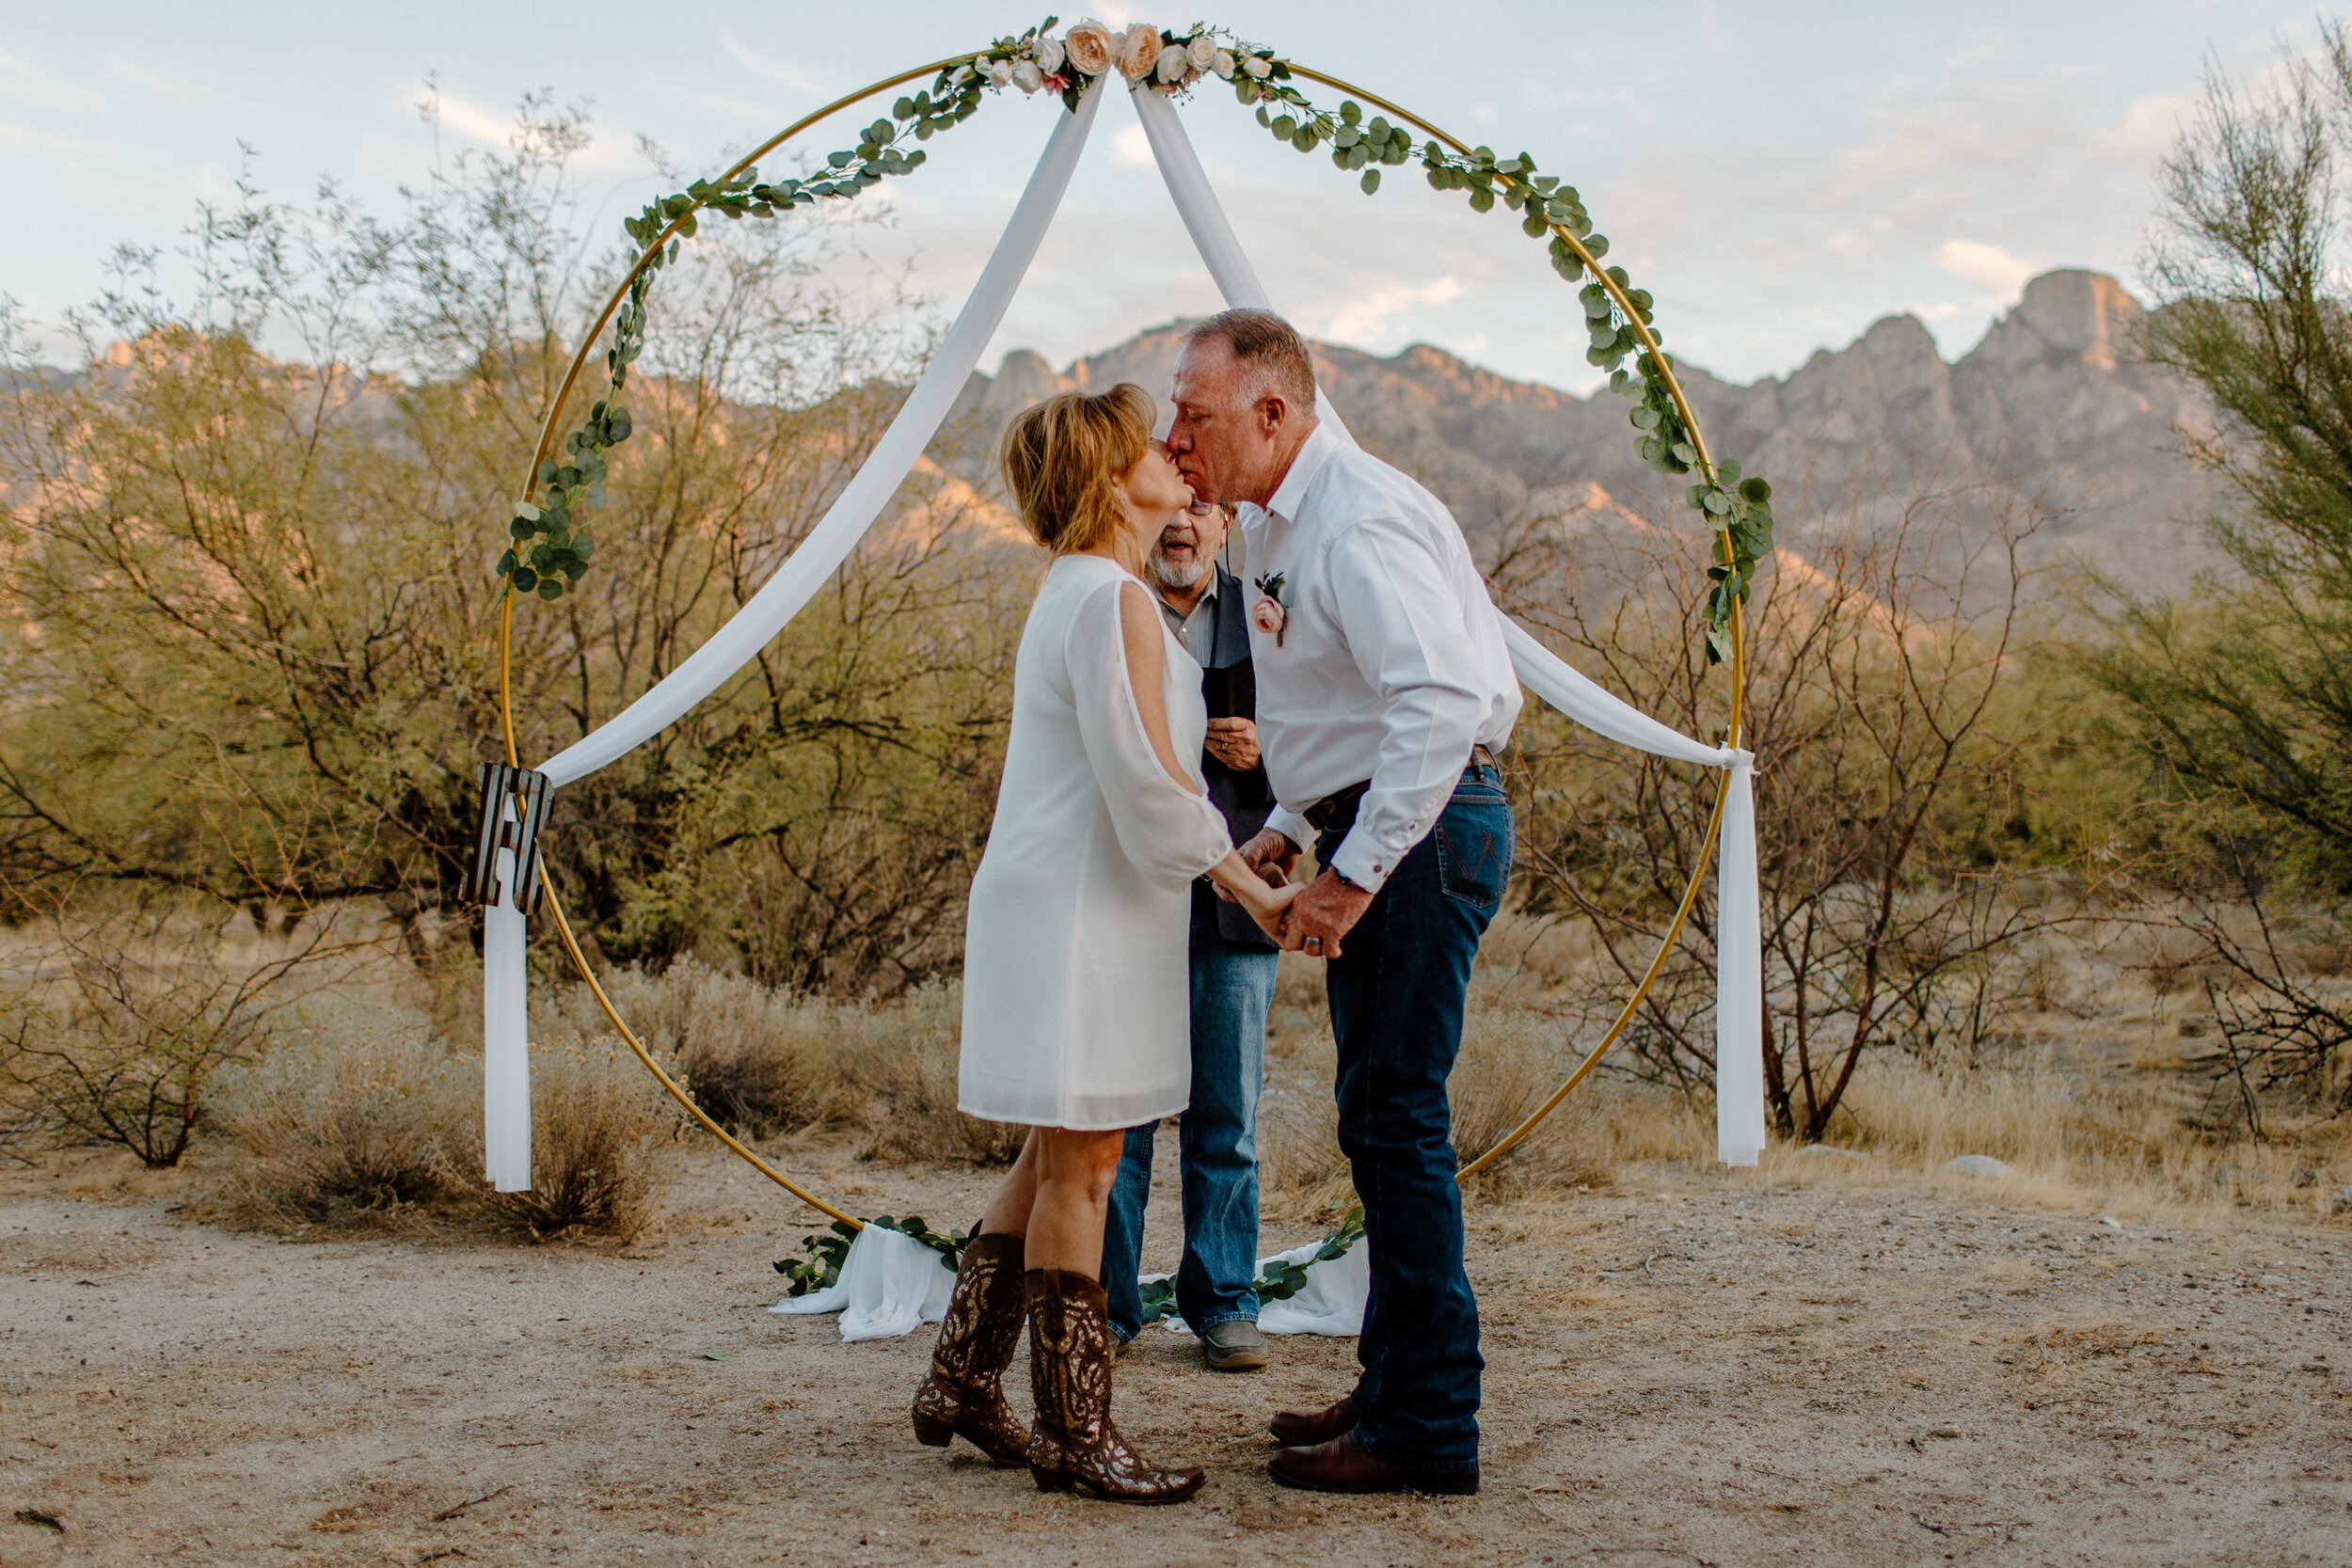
(1362, 861)
(1292, 826)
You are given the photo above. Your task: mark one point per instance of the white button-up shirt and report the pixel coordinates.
(1392, 663)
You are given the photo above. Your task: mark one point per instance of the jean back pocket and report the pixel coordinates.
(1474, 846)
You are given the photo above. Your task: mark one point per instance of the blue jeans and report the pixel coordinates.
(1397, 990)
(1233, 984)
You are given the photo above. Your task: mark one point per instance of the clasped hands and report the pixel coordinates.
(1316, 916)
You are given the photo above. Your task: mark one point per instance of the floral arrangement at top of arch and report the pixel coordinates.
(549, 552)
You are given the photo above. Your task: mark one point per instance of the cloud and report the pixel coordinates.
(774, 70)
(1134, 147)
(1988, 266)
(1364, 315)
(468, 119)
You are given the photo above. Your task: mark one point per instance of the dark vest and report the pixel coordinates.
(1245, 800)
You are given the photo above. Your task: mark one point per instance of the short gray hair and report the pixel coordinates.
(1268, 344)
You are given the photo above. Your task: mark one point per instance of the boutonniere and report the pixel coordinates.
(1271, 613)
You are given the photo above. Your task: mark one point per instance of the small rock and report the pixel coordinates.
(2271, 1282)
(2342, 1202)
(1976, 1164)
(1832, 1148)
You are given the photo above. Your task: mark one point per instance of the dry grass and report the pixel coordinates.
(354, 1124)
(2074, 1137)
(765, 1061)
(604, 1136)
(1513, 1054)
(344, 1125)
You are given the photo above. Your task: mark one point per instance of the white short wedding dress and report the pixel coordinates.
(1076, 997)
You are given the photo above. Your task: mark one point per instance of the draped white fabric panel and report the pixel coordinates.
(505, 1040)
(1739, 1000)
(846, 521)
(506, 1022)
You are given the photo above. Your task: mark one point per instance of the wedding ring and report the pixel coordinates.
(1314, 945)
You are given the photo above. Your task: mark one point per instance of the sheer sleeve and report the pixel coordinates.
(1171, 833)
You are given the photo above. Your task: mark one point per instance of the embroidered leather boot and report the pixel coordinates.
(964, 1393)
(1072, 1442)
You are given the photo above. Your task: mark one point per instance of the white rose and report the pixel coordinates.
(1000, 73)
(1172, 64)
(1049, 55)
(1260, 67)
(1201, 51)
(1138, 51)
(1090, 47)
(1027, 77)
(964, 73)
(1223, 65)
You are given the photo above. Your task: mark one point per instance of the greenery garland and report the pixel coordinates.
(549, 552)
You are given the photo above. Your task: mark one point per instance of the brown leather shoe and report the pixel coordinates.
(964, 1395)
(1300, 1429)
(1342, 1466)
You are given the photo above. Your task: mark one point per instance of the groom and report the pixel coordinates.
(1383, 687)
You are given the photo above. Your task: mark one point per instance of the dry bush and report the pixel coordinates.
(604, 1138)
(347, 1125)
(121, 1046)
(754, 1057)
(764, 1060)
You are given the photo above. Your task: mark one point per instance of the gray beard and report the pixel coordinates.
(1178, 576)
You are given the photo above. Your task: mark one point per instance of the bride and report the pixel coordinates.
(1076, 999)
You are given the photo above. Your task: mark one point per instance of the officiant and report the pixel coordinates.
(1232, 964)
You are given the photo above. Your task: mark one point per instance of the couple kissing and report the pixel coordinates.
(1141, 871)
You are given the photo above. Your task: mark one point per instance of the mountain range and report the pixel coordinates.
(2050, 418)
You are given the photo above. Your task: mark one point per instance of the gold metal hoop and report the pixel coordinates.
(547, 435)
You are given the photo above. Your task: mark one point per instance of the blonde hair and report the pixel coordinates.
(1062, 456)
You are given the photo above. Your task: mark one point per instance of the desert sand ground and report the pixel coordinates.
(1851, 1366)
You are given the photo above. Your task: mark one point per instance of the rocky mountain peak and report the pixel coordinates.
(2049, 410)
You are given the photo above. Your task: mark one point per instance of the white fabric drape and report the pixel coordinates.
(1738, 998)
(505, 1038)
(877, 479)
(889, 1283)
(505, 1023)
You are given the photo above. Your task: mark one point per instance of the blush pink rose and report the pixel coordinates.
(1268, 617)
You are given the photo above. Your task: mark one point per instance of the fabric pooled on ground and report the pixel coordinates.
(889, 1283)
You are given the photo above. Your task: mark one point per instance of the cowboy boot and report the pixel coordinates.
(1072, 1442)
(965, 1392)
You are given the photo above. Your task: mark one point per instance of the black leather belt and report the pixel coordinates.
(1324, 813)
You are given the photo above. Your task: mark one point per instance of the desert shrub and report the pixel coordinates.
(604, 1138)
(754, 1056)
(344, 1125)
(127, 1054)
(764, 1060)
(1512, 1058)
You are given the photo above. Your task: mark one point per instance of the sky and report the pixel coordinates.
(1778, 175)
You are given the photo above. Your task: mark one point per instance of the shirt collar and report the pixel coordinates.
(1313, 454)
